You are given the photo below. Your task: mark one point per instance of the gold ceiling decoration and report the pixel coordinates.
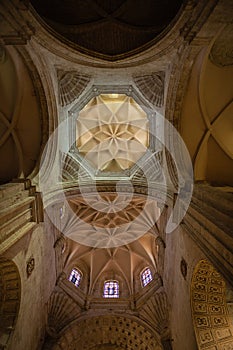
(112, 132)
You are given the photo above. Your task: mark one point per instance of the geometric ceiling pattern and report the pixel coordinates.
(213, 326)
(152, 87)
(109, 220)
(111, 211)
(71, 84)
(105, 27)
(123, 263)
(107, 332)
(112, 132)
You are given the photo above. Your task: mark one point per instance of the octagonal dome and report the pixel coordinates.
(112, 132)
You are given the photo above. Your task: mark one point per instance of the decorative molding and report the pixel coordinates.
(222, 50)
(155, 313)
(61, 311)
(195, 38)
(20, 211)
(209, 223)
(152, 87)
(14, 27)
(200, 11)
(69, 166)
(71, 85)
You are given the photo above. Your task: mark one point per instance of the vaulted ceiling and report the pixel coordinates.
(110, 28)
(110, 235)
(123, 263)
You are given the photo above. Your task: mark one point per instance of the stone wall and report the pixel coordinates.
(35, 262)
(177, 278)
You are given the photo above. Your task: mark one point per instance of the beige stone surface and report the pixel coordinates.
(36, 289)
(186, 75)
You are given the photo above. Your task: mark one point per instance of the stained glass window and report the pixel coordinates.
(146, 276)
(75, 277)
(111, 289)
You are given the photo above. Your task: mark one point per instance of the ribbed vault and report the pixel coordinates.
(123, 263)
(209, 101)
(21, 127)
(110, 28)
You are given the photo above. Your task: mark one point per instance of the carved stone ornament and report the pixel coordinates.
(152, 87)
(212, 322)
(30, 266)
(71, 85)
(183, 268)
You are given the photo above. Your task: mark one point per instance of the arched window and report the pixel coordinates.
(75, 277)
(111, 289)
(146, 276)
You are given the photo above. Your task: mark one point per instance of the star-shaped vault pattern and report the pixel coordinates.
(112, 132)
(109, 220)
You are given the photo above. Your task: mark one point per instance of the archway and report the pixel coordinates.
(107, 332)
(212, 323)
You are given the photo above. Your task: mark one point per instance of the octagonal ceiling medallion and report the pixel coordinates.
(112, 132)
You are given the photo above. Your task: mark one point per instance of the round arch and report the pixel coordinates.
(212, 323)
(108, 332)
